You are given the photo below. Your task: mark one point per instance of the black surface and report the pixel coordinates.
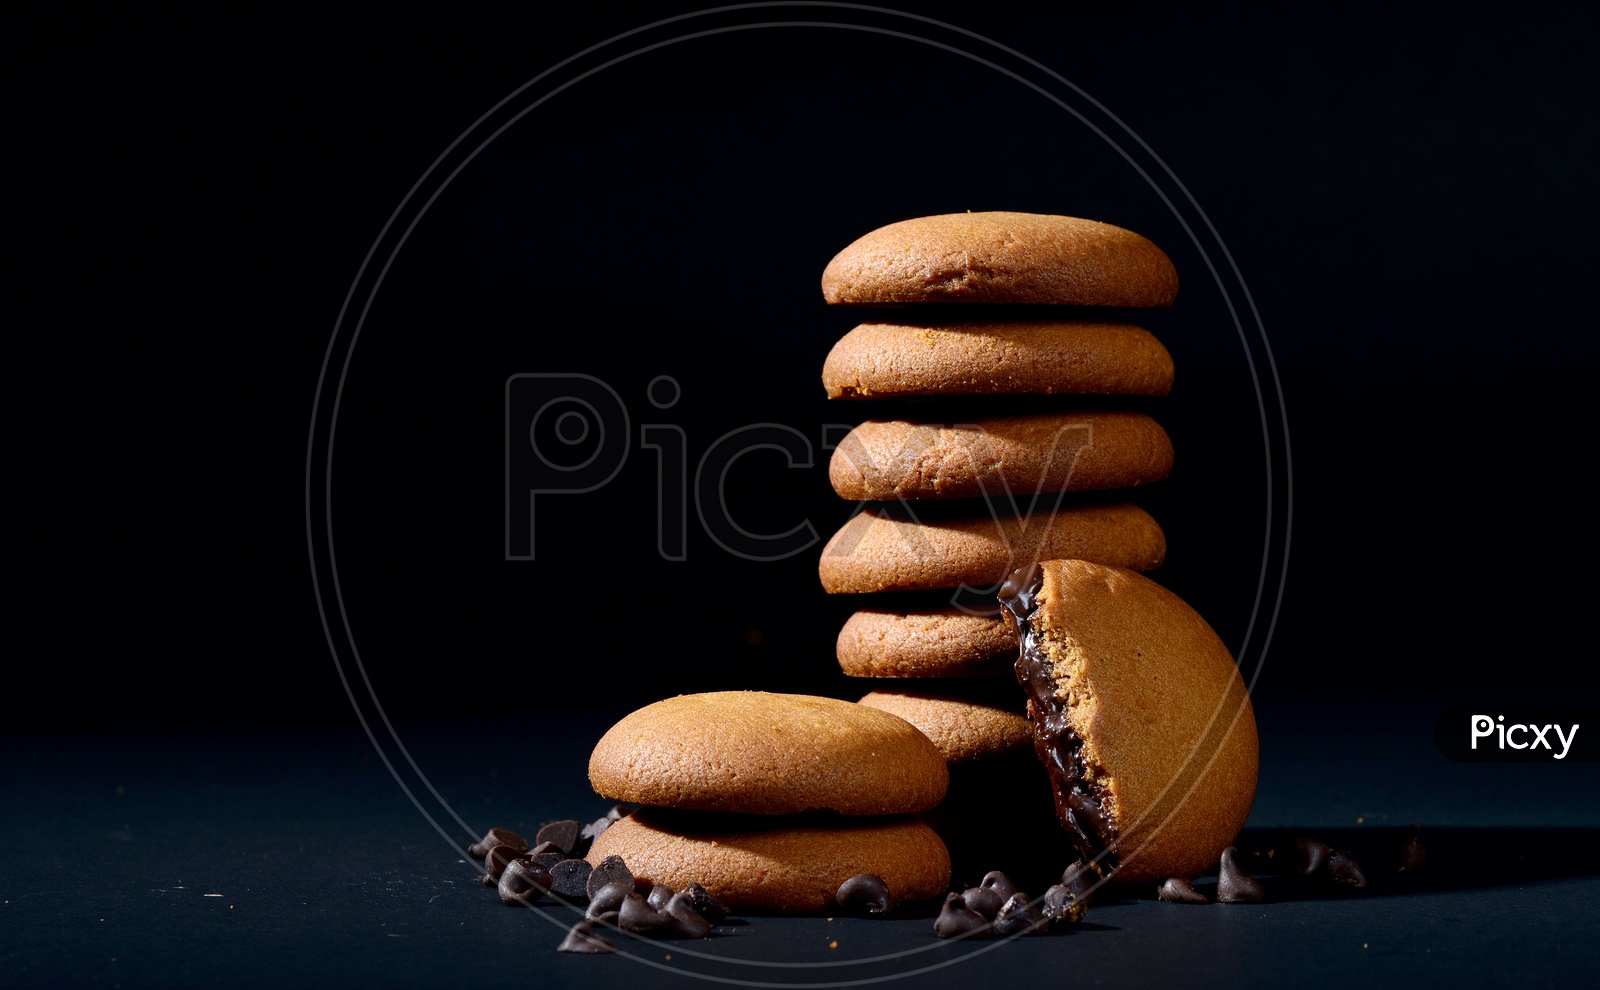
(1410, 200)
(116, 854)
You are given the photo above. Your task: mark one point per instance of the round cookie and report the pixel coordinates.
(1140, 716)
(1001, 258)
(947, 642)
(964, 729)
(895, 360)
(768, 754)
(883, 549)
(1019, 455)
(788, 865)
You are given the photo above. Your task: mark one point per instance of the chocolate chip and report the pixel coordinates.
(643, 887)
(583, 938)
(1344, 871)
(570, 879)
(1062, 907)
(1234, 885)
(709, 907)
(638, 916)
(1177, 890)
(1409, 855)
(607, 899)
(496, 837)
(690, 923)
(611, 870)
(1081, 878)
(1018, 915)
(659, 895)
(548, 860)
(1311, 856)
(563, 834)
(864, 893)
(955, 918)
(999, 883)
(523, 882)
(982, 901)
(494, 863)
(592, 830)
(619, 812)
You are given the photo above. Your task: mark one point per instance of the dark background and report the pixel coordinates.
(1408, 199)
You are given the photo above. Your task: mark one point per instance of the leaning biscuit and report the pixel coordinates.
(768, 754)
(884, 548)
(1140, 716)
(947, 642)
(1017, 455)
(1001, 258)
(785, 865)
(896, 360)
(964, 728)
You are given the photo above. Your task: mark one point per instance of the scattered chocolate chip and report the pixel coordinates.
(690, 923)
(607, 899)
(1311, 856)
(494, 863)
(1409, 855)
(1017, 916)
(1177, 890)
(496, 837)
(1062, 907)
(1344, 871)
(1081, 878)
(955, 919)
(548, 860)
(619, 812)
(864, 893)
(638, 916)
(1234, 885)
(709, 907)
(643, 887)
(523, 882)
(659, 895)
(982, 901)
(611, 870)
(570, 879)
(592, 830)
(583, 938)
(563, 835)
(999, 883)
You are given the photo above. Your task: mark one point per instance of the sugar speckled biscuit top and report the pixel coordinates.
(1167, 733)
(1001, 258)
(892, 360)
(884, 549)
(768, 754)
(964, 728)
(944, 642)
(999, 455)
(789, 865)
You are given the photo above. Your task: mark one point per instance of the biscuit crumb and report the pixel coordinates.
(834, 944)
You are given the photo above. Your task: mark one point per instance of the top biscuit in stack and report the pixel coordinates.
(988, 305)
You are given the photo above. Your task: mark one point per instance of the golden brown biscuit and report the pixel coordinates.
(1001, 258)
(883, 549)
(788, 865)
(893, 360)
(999, 455)
(944, 642)
(1139, 713)
(964, 729)
(768, 754)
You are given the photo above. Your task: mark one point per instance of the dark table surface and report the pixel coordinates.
(298, 858)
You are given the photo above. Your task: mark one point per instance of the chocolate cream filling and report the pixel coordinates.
(1079, 803)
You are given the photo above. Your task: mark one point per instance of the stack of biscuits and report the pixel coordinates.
(773, 802)
(1001, 365)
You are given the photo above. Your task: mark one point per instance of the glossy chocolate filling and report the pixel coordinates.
(1079, 803)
